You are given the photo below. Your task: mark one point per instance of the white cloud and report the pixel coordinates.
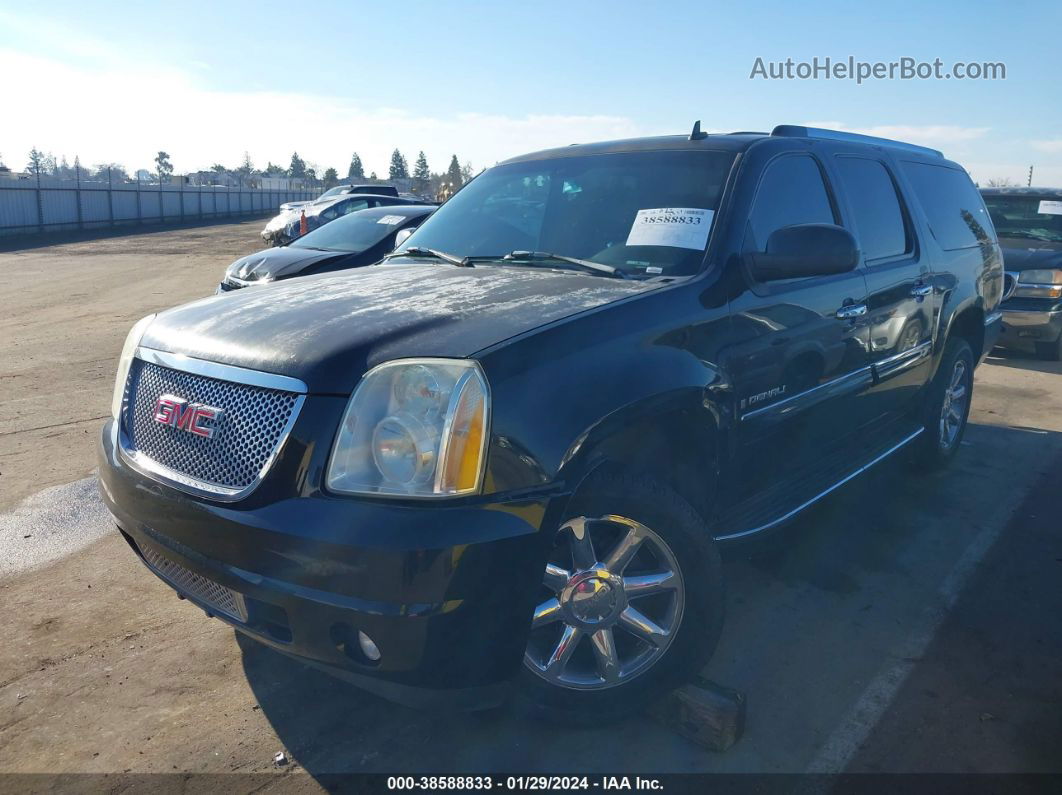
(1051, 146)
(109, 111)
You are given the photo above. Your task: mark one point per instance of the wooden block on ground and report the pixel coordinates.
(710, 715)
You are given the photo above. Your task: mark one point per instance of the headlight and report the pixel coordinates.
(132, 341)
(413, 427)
(1039, 284)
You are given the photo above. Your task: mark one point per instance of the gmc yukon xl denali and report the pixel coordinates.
(504, 459)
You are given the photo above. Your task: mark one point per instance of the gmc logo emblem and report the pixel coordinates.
(184, 416)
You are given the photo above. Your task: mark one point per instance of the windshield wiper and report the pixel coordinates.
(417, 251)
(545, 256)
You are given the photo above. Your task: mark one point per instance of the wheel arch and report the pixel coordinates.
(967, 323)
(679, 446)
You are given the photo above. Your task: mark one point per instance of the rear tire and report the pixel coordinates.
(595, 599)
(947, 406)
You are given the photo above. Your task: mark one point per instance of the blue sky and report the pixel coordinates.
(205, 81)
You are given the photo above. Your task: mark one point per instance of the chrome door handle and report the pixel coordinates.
(851, 311)
(921, 290)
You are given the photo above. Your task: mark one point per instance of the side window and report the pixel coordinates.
(350, 207)
(791, 192)
(876, 207)
(954, 208)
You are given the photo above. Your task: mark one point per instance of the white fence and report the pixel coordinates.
(28, 206)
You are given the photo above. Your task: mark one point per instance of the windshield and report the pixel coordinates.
(644, 213)
(1027, 217)
(354, 232)
(332, 192)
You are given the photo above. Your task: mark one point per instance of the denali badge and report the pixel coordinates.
(752, 400)
(179, 413)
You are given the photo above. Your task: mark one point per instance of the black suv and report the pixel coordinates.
(509, 454)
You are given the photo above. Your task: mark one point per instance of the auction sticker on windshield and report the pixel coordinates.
(678, 227)
(391, 219)
(1050, 208)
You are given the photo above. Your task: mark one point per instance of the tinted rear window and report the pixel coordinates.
(875, 206)
(952, 205)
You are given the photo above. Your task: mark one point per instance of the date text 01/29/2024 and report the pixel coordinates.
(521, 783)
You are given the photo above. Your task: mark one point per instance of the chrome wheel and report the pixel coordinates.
(613, 603)
(953, 411)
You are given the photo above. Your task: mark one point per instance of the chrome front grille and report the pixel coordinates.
(1010, 284)
(212, 594)
(247, 435)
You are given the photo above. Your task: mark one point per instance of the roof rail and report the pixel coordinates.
(795, 131)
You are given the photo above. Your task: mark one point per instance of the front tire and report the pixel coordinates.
(631, 604)
(947, 406)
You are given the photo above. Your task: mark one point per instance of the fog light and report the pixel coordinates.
(368, 648)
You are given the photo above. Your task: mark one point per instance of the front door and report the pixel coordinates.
(799, 353)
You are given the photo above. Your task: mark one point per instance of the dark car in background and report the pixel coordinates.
(507, 456)
(1029, 224)
(286, 226)
(358, 238)
(340, 190)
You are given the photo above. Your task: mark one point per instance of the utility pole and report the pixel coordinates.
(1029, 183)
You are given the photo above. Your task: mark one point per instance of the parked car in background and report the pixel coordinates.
(507, 456)
(358, 238)
(1029, 224)
(285, 227)
(339, 190)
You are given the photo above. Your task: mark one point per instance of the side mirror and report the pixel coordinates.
(805, 250)
(402, 236)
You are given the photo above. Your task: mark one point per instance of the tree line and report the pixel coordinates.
(422, 180)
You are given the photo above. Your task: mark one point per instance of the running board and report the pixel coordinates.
(780, 503)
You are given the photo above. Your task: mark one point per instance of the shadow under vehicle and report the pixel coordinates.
(1029, 224)
(503, 461)
(359, 238)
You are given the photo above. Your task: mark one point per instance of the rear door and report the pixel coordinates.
(901, 300)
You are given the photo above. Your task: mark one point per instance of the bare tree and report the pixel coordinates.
(1001, 182)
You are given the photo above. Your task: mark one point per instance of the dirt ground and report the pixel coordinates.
(67, 309)
(921, 633)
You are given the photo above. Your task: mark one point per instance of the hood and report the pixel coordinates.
(280, 262)
(1022, 254)
(281, 220)
(329, 329)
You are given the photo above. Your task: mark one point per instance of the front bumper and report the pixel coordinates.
(445, 592)
(1025, 327)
